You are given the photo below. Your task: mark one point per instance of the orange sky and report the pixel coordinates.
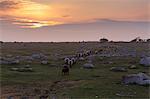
(53, 12)
(22, 16)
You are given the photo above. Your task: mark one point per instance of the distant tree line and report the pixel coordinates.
(137, 39)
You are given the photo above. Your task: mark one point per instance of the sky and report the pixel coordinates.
(73, 20)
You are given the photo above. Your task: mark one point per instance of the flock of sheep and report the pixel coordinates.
(69, 61)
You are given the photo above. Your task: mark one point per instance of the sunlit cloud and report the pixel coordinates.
(28, 23)
(26, 14)
(38, 13)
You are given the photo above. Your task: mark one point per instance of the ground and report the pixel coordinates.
(95, 83)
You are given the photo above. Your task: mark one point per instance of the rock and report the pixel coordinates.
(10, 97)
(126, 94)
(88, 66)
(145, 61)
(4, 62)
(132, 67)
(27, 66)
(44, 62)
(27, 58)
(25, 70)
(118, 69)
(36, 56)
(15, 62)
(140, 79)
(14, 69)
(39, 56)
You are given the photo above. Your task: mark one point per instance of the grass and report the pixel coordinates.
(95, 83)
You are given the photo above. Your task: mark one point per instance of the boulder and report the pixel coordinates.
(118, 69)
(39, 56)
(132, 67)
(15, 62)
(145, 61)
(14, 69)
(44, 62)
(27, 66)
(140, 79)
(88, 66)
(25, 70)
(4, 62)
(27, 58)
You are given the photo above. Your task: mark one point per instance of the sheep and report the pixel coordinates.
(66, 60)
(80, 55)
(73, 59)
(70, 63)
(96, 52)
(65, 70)
(87, 53)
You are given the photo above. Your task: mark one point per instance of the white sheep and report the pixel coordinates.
(73, 59)
(70, 63)
(80, 55)
(66, 60)
(87, 53)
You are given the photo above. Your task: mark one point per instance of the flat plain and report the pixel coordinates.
(81, 83)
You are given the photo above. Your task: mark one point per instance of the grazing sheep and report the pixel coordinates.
(66, 60)
(80, 55)
(87, 53)
(73, 59)
(96, 52)
(65, 70)
(70, 63)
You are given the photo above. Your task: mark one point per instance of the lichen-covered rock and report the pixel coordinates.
(44, 62)
(140, 79)
(145, 61)
(118, 69)
(39, 56)
(88, 66)
(14, 69)
(132, 67)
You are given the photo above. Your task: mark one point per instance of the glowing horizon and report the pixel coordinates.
(55, 13)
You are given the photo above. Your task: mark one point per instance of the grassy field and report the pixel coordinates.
(95, 83)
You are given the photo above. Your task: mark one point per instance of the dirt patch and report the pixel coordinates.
(37, 90)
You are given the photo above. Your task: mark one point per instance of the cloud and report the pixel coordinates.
(8, 4)
(66, 16)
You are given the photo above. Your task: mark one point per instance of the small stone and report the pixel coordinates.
(132, 67)
(10, 97)
(145, 61)
(27, 66)
(14, 69)
(118, 69)
(44, 62)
